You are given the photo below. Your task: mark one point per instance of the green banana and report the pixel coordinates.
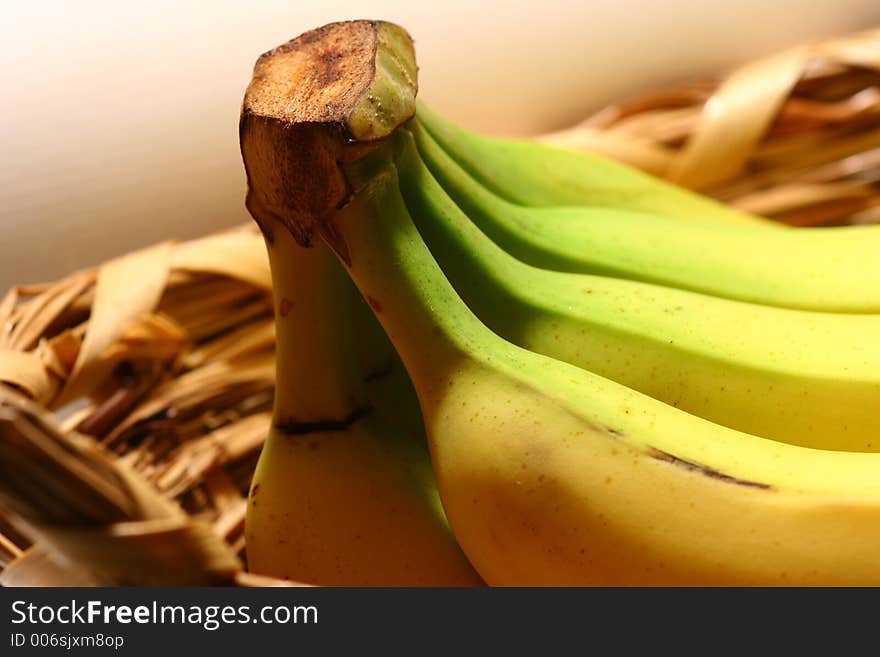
(806, 378)
(822, 269)
(547, 176)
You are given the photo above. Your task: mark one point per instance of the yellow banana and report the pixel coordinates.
(343, 493)
(552, 475)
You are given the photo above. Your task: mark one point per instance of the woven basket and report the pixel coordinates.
(137, 394)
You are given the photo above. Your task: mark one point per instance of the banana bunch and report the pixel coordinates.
(500, 362)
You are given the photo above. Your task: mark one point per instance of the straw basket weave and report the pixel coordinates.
(134, 397)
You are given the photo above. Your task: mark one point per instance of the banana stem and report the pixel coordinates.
(314, 129)
(417, 306)
(316, 379)
(320, 100)
(328, 97)
(466, 252)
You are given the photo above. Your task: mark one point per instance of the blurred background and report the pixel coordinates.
(119, 119)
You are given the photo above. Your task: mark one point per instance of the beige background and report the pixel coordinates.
(118, 120)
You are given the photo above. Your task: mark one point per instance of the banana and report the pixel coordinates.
(343, 493)
(547, 176)
(552, 475)
(806, 378)
(822, 269)
(549, 474)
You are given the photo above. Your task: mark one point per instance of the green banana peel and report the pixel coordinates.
(820, 269)
(548, 177)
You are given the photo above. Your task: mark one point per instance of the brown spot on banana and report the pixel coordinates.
(293, 427)
(374, 304)
(704, 469)
(380, 372)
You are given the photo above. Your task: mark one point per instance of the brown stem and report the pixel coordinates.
(324, 98)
